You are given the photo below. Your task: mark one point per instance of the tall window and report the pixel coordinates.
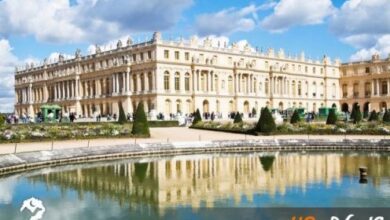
(345, 90)
(187, 82)
(202, 82)
(187, 56)
(177, 55)
(294, 91)
(216, 86)
(299, 88)
(230, 84)
(149, 55)
(177, 81)
(150, 80)
(166, 54)
(142, 82)
(166, 80)
(266, 87)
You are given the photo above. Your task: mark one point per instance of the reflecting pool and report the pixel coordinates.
(140, 188)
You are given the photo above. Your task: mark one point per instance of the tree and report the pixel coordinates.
(140, 124)
(332, 117)
(267, 162)
(266, 123)
(197, 117)
(2, 119)
(356, 114)
(237, 118)
(373, 116)
(254, 112)
(386, 117)
(295, 118)
(122, 117)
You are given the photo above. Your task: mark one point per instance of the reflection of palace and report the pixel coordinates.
(190, 181)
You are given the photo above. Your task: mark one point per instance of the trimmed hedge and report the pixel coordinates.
(295, 118)
(237, 118)
(332, 117)
(122, 117)
(140, 124)
(373, 116)
(266, 123)
(197, 117)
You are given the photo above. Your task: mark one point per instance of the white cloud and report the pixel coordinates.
(289, 13)
(7, 66)
(229, 20)
(364, 24)
(88, 20)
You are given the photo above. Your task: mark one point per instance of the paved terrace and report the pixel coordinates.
(170, 141)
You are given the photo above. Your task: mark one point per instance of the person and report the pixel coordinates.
(72, 117)
(114, 117)
(128, 116)
(212, 117)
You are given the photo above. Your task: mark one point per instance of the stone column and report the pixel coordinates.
(373, 87)
(208, 81)
(388, 87)
(146, 81)
(117, 83)
(377, 87)
(113, 83)
(127, 80)
(77, 92)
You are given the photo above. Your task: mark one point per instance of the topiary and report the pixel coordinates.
(357, 114)
(140, 124)
(237, 118)
(373, 116)
(332, 117)
(295, 118)
(386, 117)
(266, 123)
(122, 117)
(254, 112)
(197, 117)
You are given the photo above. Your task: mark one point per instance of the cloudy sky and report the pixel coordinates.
(36, 29)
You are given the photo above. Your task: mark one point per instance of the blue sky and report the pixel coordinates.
(36, 29)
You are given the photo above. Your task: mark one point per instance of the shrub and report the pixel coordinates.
(122, 117)
(332, 117)
(237, 118)
(295, 117)
(356, 114)
(254, 112)
(373, 116)
(266, 123)
(140, 124)
(197, 117)
(2, 120)
(386, 117)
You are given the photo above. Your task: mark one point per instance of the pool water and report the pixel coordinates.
(146, 188)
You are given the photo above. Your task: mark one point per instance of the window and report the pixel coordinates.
(299, 88)
(314, 70)
(299, 68)
(306, 69)
(187, 82)
(134, 57)
(166, 54)
(177, 81)
(230, 60)
(187, 56)
(266, 87)
(142, 82)
(166, 80)
(142, 56)
(177, 55)
(345, 91)
(367, 69)
(230, 84)
(266, 65)
(149, 55)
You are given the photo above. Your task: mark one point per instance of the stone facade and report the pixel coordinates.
(366, 83)
(180, 76)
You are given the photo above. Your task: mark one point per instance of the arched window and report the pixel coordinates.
(177, 81)
(178, 106)
(166, 80)
(187, 82)
(216, 86)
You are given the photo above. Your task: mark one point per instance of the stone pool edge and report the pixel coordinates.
(19, 162)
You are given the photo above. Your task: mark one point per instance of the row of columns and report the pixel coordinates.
(66, 89)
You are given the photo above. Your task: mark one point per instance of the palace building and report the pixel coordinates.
(178, 76)
(366, 83)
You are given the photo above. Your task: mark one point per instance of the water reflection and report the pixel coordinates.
(195, 181)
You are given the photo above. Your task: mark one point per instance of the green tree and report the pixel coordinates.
(356, 114)
(254, 112)
(295, 118)
(373, 116)
(2, 119)
(386, 117)
(140, 124)
(197, 117)
(122, 116)
(266, 123)
(332, 117)
(237, 118)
